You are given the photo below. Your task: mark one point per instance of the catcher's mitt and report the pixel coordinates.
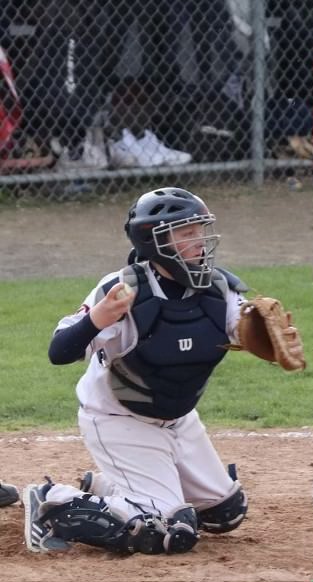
(265, 330)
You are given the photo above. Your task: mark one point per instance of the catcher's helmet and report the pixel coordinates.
(151, 222)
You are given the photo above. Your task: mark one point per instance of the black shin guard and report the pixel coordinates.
(84, 521)
(87, 522)
(92, 523)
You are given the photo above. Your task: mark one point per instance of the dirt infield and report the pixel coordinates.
(275, 543)
(74, 239)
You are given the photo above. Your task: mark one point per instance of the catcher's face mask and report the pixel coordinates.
(190, 244)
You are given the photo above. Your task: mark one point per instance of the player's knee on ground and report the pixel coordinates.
(87, 522)
(226, 515)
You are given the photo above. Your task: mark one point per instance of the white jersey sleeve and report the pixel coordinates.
(91, 300)
(117, 338)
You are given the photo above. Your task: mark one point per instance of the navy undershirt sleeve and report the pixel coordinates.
(69, 345)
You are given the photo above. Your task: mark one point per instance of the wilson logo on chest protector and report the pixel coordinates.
(185, 344)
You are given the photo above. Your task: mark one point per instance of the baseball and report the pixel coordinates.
(124, 291)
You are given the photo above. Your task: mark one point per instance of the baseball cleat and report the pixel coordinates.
(8, 494)
(38, 535)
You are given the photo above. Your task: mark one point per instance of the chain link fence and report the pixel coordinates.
(98, 96)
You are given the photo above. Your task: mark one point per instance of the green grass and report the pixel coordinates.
(243, 392)
(33, 392)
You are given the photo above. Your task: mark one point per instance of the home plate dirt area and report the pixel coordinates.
(274, 544)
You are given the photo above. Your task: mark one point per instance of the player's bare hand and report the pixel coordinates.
(113, 306)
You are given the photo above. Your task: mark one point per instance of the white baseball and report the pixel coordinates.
(124, 291)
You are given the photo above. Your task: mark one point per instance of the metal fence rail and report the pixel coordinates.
(180, 89)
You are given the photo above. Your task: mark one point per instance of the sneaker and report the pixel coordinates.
(38, 535)
(120, 155)
(154, 147)
(93, 156)
(144, 157)
(8, 494)
(67, 158)
(90, 154)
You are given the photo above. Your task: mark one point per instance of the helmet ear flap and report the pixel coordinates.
(131, 215)
(132, 257)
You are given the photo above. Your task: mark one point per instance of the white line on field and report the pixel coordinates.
(274, 435)
(233, 434)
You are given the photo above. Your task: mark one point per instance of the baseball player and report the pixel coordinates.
(8, 494)
(153, 334)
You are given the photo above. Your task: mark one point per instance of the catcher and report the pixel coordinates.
(153, 334)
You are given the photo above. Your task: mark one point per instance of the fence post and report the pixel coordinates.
(258, 29)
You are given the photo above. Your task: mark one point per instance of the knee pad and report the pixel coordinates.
(181, 533)
(225, 516)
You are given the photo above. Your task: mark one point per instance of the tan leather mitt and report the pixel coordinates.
(265, 330)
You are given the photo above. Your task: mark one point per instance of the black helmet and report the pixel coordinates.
(152, 219)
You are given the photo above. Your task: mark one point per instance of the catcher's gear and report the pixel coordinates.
(87, 522)
(39, 536)
(8, 494)
(150, 226)
(225, 516)
(265, 330)
(180, 534)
